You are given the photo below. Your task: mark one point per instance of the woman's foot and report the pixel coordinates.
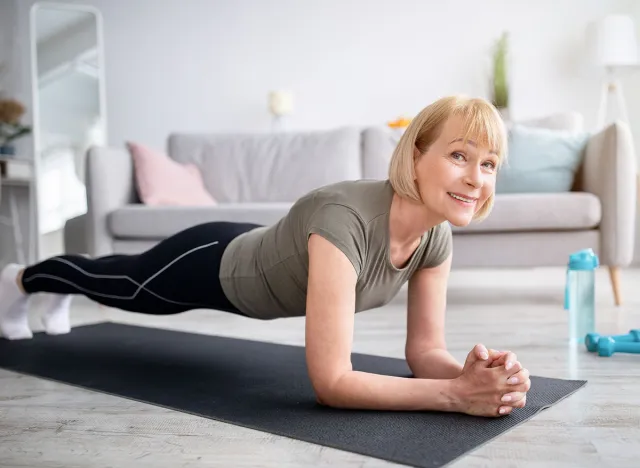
(14, 319)
(56, 314)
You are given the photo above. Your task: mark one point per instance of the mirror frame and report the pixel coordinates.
(35, 223)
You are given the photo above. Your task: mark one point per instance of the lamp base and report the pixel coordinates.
(611, 85)
(278, 124)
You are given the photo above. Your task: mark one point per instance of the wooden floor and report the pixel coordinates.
(45, 424)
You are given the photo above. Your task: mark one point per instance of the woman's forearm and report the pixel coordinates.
(361, 390)
(435, 364)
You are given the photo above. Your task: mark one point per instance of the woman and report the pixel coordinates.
(342, 248)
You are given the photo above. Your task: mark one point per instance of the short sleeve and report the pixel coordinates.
(341, 226)
(439, 246)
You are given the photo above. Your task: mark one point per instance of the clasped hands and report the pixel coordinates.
(492, 382)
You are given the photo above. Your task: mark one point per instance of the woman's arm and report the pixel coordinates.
(329, 335)
(426, 350)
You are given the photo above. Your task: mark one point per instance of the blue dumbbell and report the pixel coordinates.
(608, 346)
(591, 340)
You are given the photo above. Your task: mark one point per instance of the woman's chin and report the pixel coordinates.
(460, 221)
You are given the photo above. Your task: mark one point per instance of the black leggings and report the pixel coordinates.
(179, 273)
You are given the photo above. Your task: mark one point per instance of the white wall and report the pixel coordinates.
(207, 65)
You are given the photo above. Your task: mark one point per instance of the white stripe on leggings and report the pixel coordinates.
(141, 286)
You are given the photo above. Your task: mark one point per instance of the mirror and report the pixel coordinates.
(69, 107)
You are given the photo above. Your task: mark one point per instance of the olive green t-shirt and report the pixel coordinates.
(264, 271)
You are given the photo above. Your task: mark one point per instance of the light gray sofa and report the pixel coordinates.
(256, 178)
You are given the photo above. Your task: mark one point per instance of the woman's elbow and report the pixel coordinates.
(321, 399)
(328, 393)
(324, 395)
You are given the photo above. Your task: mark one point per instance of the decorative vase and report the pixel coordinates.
(8, 150)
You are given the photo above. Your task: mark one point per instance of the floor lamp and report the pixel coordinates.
(613, 47)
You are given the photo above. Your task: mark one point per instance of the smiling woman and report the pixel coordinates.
(452, 149)
(341, 249)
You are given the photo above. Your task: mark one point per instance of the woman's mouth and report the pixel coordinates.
(462, 198)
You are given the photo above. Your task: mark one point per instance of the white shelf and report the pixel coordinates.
(15, 181)
(15, 159)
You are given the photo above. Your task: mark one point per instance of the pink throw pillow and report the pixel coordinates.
(164, 181)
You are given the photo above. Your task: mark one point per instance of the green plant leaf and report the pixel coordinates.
(500, 84)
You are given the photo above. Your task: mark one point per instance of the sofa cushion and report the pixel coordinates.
(540, 212)
(541, 160)
(161, 180)
(512, 212)
(278, 167)
(158, 222)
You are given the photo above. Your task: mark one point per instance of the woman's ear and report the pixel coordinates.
(416, 153)
(416, 157)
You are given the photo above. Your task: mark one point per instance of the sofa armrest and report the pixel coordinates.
(110, 185)
(609, 172)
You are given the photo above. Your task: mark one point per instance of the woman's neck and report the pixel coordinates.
(409, 220)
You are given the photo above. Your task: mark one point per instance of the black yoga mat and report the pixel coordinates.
(259, 385)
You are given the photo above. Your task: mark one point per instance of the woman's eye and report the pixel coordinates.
(458, 156)
(490, 164)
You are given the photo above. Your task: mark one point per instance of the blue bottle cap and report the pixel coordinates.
(583, 260)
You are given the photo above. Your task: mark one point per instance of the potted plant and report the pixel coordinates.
(11, 112)
(500, 85)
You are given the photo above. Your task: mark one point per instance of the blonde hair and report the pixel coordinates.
(481, 122)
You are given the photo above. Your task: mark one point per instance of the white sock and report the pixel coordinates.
(56, 314)
(14, 319)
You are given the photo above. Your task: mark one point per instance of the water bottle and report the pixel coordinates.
(579, 295)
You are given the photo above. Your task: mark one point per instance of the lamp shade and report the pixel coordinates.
(281, 102)
(612, 41)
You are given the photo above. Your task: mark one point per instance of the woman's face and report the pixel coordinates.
(455, 180)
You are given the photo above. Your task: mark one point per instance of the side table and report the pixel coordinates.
(24, 245)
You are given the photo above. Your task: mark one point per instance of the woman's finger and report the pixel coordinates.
(512, 397)
(520, 377)
(481, 352)
(510, 360)
(497, 357)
